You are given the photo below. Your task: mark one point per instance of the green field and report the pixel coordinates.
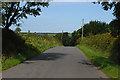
(54, 34)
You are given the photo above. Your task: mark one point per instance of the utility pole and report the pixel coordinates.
(82, 27)
(62, 35)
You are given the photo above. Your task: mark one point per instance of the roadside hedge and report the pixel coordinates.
(115, 51)
(17, 48)
(103, 42)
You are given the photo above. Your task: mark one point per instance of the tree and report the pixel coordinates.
(64, 39)
(92, 28)
(115, 24)
(115, 27)
(58, 35)
(95, 27)
(75, 36)
(14, 12)
(115, 51)
(28, 32)
(17, 30)
(109, 5)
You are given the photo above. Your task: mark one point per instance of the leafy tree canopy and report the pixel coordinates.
(75, 36)
(115, 27)
(14, 12)
(92, 28)
(108, 4)
(115, 5)
(95, 27)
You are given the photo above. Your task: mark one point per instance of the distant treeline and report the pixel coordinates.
(89, 29)
(40, 33)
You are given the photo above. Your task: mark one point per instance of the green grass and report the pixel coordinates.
(34, 45)
(101, 60)
(10, 62)
(52, 34)
(0, 66)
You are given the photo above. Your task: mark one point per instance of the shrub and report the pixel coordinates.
(115, 51)
(11, 43)
(64, 38)
(115, 27)
(106, 43)
(75, 36)
(100, 41)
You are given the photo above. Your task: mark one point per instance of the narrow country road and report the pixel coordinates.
(58, 62)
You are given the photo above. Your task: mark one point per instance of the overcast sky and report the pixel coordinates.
(66, 16)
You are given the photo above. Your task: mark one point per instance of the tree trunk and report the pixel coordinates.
(6, 27)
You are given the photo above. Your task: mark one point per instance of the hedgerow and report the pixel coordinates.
(20, 47)
(100, 41)
(105, 43)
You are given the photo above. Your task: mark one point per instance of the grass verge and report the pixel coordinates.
(101, 61)
(13, 61)
(19, 48)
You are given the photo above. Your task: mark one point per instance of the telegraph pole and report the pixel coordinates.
(62, 35)
(82, 27)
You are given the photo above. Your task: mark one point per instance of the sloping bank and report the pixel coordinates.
(18, 47)
(102, 50)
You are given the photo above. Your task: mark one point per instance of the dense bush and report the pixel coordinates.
(12, 43)
(73, 39)
(115, 27)
(115, 51)
(104, 43)
(64, 38)
(41, 42)
(100, 41)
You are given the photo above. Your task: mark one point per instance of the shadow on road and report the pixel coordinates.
(85, 62)
(46, 57)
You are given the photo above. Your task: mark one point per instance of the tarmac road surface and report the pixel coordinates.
(58, 62)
